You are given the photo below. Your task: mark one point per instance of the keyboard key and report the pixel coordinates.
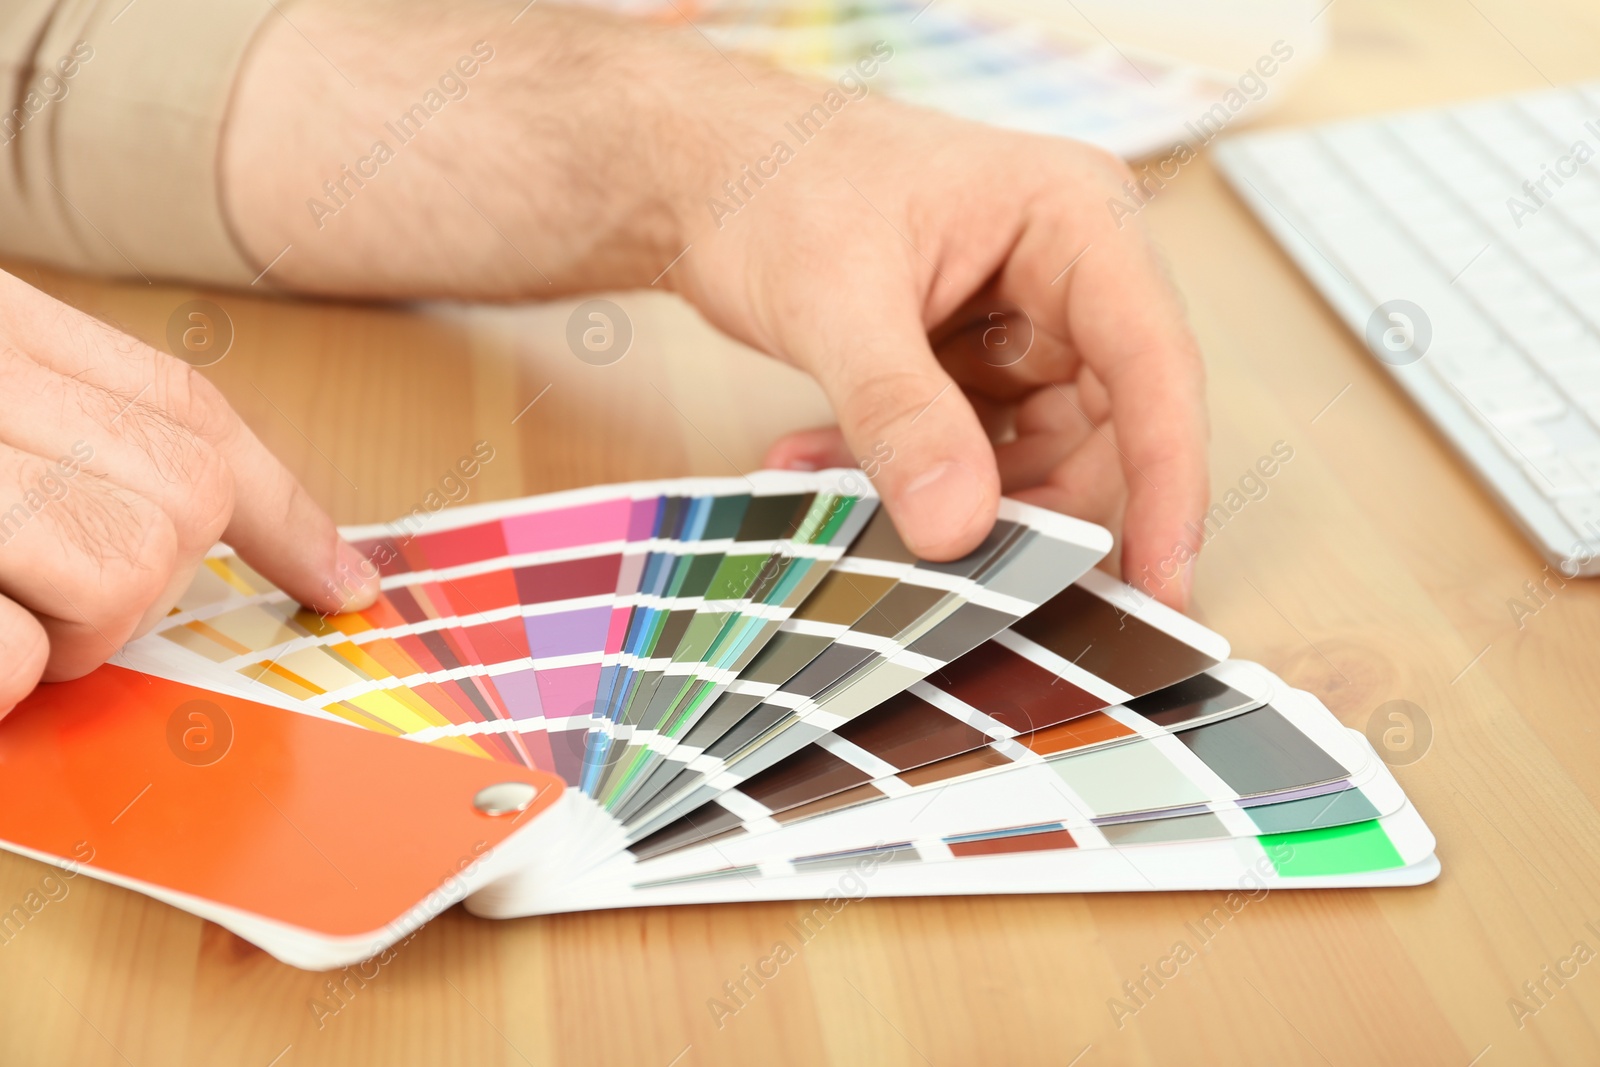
(1558, 259)
(1510, 404)
(1589, 404)
(1551, 331)
(1578, 379)
(1582, 351)
(1572, 433)
(1532, 316)
(1487, 367)
(1425, 131)
(1583, 512)
(1587, 464)
(1492, 279)
(1529, 441)
(1581, 288)
(1558, 115)
(1556, 477)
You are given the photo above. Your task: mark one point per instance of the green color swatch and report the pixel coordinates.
(1353, 849)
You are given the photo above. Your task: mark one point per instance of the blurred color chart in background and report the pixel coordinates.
(1134, 78)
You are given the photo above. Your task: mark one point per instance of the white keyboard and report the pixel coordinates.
(1480, 294)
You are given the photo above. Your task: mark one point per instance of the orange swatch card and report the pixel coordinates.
(273, 823)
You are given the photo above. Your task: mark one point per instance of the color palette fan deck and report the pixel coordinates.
(739, 689)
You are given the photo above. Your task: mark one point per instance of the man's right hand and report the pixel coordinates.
(119, 468)
(551, 149)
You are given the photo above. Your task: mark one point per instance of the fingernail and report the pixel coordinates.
(798, 464)
(355, 584)
(937, 502)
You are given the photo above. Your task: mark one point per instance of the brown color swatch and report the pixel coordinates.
(967, 763)
(1200, 697)
(1110, 643)
(907, 731)
(1012, 689)
(861, 794)
(809, 774)
(1044, 841)
(842, 598)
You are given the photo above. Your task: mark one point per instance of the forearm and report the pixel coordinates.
(829, 228)
(475, 156)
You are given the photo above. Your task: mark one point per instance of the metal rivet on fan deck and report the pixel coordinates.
(505, 798)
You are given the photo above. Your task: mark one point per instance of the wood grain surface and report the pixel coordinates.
(1373, 570)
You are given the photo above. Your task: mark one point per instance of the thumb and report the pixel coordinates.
(905, 420)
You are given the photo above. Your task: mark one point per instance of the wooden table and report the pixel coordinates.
(1375, 570)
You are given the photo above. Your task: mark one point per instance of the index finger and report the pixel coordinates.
(1125, 321)
(275, 525)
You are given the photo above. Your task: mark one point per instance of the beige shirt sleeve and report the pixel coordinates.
(109, 137)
